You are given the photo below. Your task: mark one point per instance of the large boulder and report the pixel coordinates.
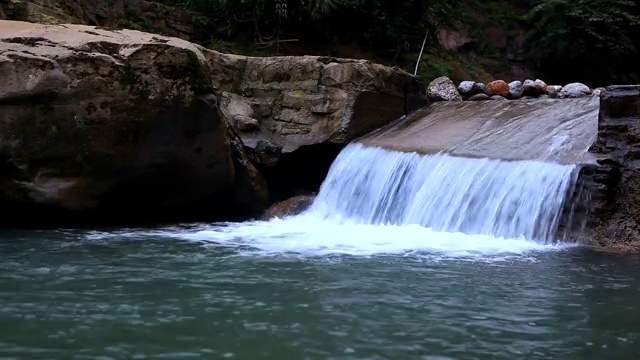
(135, 125)
(307, 108)
(310, 100)
(97, 121)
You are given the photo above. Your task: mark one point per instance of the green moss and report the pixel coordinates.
(438, 62)
(433, 66)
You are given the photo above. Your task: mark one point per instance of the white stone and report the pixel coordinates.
(443, 89)
(575, 90)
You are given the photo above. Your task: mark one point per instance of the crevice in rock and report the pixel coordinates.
(300, 172)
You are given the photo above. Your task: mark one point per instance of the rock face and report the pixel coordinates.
(130, 124)
(443, 89)
(302, 101)
(453, 40)
(615, 218)
(122, 122)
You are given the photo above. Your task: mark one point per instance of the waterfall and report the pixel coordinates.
(501, 178)
(510, 199)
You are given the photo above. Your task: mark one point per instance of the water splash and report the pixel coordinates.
(381, 202)
(509, 199)
(310, 235)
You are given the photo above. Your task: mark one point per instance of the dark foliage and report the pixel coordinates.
(592, 41)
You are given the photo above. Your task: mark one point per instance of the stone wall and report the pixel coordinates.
(615, 219)
(294, 114)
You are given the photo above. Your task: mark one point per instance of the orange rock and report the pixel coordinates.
(289, 207)
(498, 87)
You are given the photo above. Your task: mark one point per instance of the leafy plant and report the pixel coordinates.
(578, 38)
(385, 26)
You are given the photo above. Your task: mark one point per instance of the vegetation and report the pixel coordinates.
(389, 29)
(573, 39)
(593, 41)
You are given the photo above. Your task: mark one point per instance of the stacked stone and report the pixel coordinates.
(443, 89)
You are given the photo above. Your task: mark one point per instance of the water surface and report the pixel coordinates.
(256, 291)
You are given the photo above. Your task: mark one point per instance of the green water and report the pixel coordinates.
(64, 295)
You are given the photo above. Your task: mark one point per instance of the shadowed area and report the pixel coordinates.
(559, 130)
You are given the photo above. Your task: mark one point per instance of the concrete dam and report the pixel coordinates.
(555, 130)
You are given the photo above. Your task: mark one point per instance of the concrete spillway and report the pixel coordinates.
(455, 178)
(556, 130)
(510, 199)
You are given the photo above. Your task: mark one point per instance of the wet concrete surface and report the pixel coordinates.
(557, 130)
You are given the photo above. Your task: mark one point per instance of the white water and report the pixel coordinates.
(309, 235)
(376, 201)
(508, 199)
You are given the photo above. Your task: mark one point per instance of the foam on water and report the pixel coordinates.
(376, 201)
(310, 235)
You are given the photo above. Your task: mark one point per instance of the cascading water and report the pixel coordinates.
(510, 199)
(378, 201)
(508, 184)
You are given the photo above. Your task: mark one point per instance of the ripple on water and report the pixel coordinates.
(211, 291)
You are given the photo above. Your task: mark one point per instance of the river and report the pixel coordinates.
(401, 256)
(217, 291)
